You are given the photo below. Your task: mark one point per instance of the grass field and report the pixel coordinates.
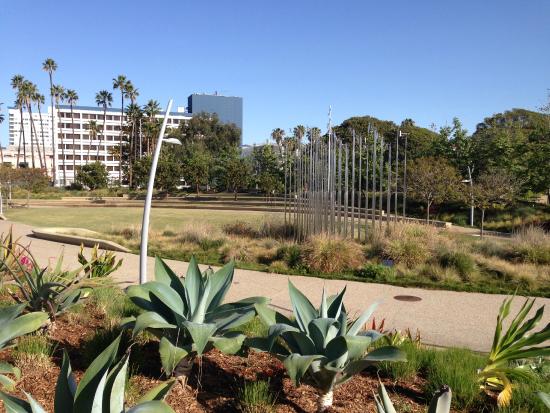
(107, 220)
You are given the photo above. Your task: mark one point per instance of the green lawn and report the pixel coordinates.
(109, 219)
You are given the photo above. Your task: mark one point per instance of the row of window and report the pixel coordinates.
(110, 138)
(70, 168)
(85, 126)
(85, 158)
(108, 117)
(84, 147)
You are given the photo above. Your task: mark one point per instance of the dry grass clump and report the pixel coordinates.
(197, 232)
(533, 245)
(437, 272)
(127, 233)
(526, 274)
(33, 351)
(409, 244)
(241, 229)
(243, 250)
(327, 254)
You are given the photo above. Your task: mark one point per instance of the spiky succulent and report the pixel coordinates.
(101, 389)
(187, 314)
(322, 344)
(440, 403)
(12, 326)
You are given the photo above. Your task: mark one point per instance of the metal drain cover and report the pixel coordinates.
(407, 298)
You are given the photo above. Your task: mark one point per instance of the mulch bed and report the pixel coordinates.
(216, 381)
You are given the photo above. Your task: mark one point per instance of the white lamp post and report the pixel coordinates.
(147, 207)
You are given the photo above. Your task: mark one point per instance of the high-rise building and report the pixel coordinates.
(228, 108)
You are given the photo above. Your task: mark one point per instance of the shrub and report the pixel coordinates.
(93, 175)
(168, 233)
(279, 267)
(34, 351)
(533, 245)
(209, 244)
(417, 359)
(100, 264)
(461, 261)
(241, 229)
(256, 397)
(326, 254)
(376, 272)
(456, 368)
(291, 254)
(408, 251)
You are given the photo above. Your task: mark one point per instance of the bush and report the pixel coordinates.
(241, 229)
(533, 245)
(461, 261)
(28, 179)
(291, 254)
(376, 272)
(256, 397)
(456, 368)
(408, 251)
(417, 359)
(93, 175)
(326, 254)
(34, 351)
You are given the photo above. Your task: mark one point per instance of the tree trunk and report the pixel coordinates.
(62, 152)
(324, 402)
(482, 222)
(32, 129)
(54, 149)
(19, 146)
(235, 193)
(24, 141)
(42, 136)
(74, 144)
(120, 138)
(428, 213)
(197, 188)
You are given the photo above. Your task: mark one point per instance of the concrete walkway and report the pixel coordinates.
(444, 318)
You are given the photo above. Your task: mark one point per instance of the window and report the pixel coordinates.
(109, 117)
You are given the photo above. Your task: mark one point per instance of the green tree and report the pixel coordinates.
(72, 97)
(278, 135)
(237, 174)
(50, 66)
(103, 98)
(39, 100)
(59, 95)
(168, 174)
(93, 175)
(196, 165)
(433, 181)
(268, 172)
(120, 83)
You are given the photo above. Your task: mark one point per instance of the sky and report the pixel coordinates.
(290, 60)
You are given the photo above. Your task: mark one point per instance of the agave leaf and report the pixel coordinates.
(336, 304)
(299, 342)
(170, 355)
(264, 344)
(113, 400)
(357, 346)
(321, 331)
(35, 407)
(219, 282)
(166, 294)
(231, 343)
(278, 329)
(158, 392)
(358, 324)
(200, 333)
(6, 368)
(199, 313)
(151, 407)
(6, 383)
(93, 377)
(13, 404)
(10, 313)
(193, 285)
(297, 365)
(545, 397)
(65, 388)
(165, 275)
(150, 319)
(323, 310)
(385, 399)
(21, 325)
(270, 316)
(336, 353)
(303, 309)
(441, 401)
(97, 402)
(386, 353)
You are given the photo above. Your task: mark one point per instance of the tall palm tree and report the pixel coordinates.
(50, 67)
(134, 114)
(299, 132)
(58, 93)
(93, 129)
(39, 99)
(16, 83)
(72, 97)
(277, 135)
(29, 90)
(132, 93)
(151, 110)
(120, 83)
(103, 98)
(313, 133)
(1, 149)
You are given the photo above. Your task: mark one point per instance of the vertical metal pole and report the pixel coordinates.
(388, 193)
(360, 192)
(405, 181)
(396, 177)
(339, 195)
(381, 173)
(373, 209)
(367, 187)
(353, 187)
(346, 193)
(147, 207)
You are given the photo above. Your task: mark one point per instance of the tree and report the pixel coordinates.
(30, 179)
(237, 174)
(50, 66)
(168, 175)
(120, 83)
(196, 166)
(313, 134)
(39, 99)
(494, 188)
(28, 90)
(93, 175)
(59, 94)
(433, 181)
(278, 135)
(1, 149)
(103, 98)
(72, 97)
(151, 127)
(93, 129)
(267, 170)
(16, 84)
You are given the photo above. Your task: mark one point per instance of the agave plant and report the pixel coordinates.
(322, 344)
(101, 389)
(100, 264)
(10, 254)
(15, 325)
(518, 342)
(52, 290)
(545, 397)
(440, 403)
(188, 315)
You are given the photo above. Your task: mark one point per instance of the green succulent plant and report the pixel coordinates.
(322, 344)
(440, 403)
(518, 342)
(101, 389)
(100, 264)
(14, 325)
(188, 316)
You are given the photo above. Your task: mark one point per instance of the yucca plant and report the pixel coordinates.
(101, 389)
(188, 316)
(14, 325)
(52, 290)
(518, 342)
(10, 254)
(100, 264)
(322, 344)
(440, 403)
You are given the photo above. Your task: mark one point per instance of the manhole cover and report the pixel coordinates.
(407, 298)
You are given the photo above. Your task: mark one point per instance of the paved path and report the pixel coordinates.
(444, 318)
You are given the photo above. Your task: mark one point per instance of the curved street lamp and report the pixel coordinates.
(150, 185)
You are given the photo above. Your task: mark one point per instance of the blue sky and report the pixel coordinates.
(290, 60)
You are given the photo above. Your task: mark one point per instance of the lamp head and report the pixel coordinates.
(175, 141)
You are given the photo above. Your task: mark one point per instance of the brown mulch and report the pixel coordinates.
(216, 380)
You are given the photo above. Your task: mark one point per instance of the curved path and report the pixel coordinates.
(444, 318)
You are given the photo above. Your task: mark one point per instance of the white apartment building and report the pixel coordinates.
(72, 146)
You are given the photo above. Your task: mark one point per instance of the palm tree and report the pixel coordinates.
(151, 110)
(16, 83)
(39, 99)
(134, 115)
(277, 135)
(103, 98)
(29, 91)
(1, 149)
(58, 93)
(299, 132)
(131, 92)
(120, 83)
(313, 133)
(93, 129)
(72, 97)
(50, 66)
